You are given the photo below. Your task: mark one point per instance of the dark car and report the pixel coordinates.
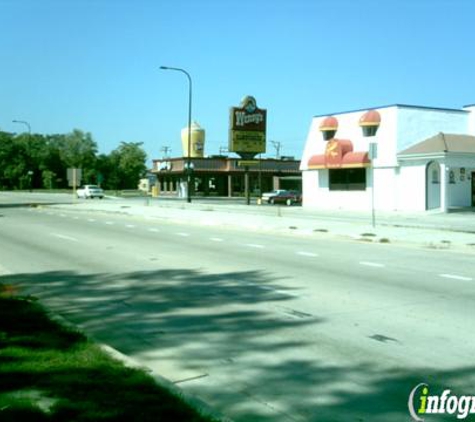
(288, 197)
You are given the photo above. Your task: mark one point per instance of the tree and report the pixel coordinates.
(6, 154)
(107, 172)
(78, 149)
(48, 179)
(15, 162)
(33, 160)
(53, 168)
(128, 164)
(33, 156)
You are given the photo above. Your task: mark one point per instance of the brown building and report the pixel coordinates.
(225, 176)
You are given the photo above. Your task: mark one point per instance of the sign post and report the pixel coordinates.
(247, 135)
(74, 178)
(369, 123)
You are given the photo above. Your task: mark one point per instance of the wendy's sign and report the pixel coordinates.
(247, 128)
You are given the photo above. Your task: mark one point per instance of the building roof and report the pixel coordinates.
(443, 142)
(395, 105)
(223, 164)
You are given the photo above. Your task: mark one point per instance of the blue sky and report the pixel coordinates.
(94, 64)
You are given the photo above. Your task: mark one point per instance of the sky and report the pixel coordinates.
(94, 65)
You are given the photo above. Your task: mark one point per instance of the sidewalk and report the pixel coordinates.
(448, 231)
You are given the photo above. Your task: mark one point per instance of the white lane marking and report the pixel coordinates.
(76, 218)
(130, 226)
(154, 230)
(254, 245)
(456, 277)
(273, 289)
(110, 223)
(91, 220)
(62, 215)
(64, 237)
(216, 239)
(371, 264)
(182, 234)
(309, 254)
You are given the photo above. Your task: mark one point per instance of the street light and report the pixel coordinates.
(23, 122)
(189, 167)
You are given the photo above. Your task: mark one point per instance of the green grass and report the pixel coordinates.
(53, 373)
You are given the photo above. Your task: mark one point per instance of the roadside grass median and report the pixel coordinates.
(51, 372)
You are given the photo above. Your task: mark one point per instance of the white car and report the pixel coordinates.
(90, 191)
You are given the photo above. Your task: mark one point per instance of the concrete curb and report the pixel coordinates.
(396, 234)
(193, 401)
(196, 403)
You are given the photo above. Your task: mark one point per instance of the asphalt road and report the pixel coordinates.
(460, 220)
(262, 327)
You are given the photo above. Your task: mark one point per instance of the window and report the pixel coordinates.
(348, 179)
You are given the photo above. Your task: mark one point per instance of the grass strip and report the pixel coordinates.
(49, 372)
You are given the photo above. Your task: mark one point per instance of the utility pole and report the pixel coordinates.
(277, 145)
(165, 150)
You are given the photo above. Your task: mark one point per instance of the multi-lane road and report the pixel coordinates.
(263, 327)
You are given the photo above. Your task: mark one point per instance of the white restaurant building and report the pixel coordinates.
(425, 161)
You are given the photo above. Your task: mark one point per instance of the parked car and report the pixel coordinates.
(90, 191)
(267, 195)
(288, 197)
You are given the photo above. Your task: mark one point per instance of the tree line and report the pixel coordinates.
(34, 161)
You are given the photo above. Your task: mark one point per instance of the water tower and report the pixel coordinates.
(197, 141)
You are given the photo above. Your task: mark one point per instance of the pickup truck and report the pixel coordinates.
(90, 191)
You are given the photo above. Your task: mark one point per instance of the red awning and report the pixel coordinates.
(339, 154)
(355, 160)
(317, 162)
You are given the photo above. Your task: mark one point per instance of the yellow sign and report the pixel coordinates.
(247, 141)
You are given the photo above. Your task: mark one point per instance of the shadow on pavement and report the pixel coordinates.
(166, 307)
(212, 319)
(31, 204)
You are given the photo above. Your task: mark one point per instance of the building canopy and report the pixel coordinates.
(440, 143)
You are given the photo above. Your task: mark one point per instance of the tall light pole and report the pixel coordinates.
(23, 122)
(188, 161)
